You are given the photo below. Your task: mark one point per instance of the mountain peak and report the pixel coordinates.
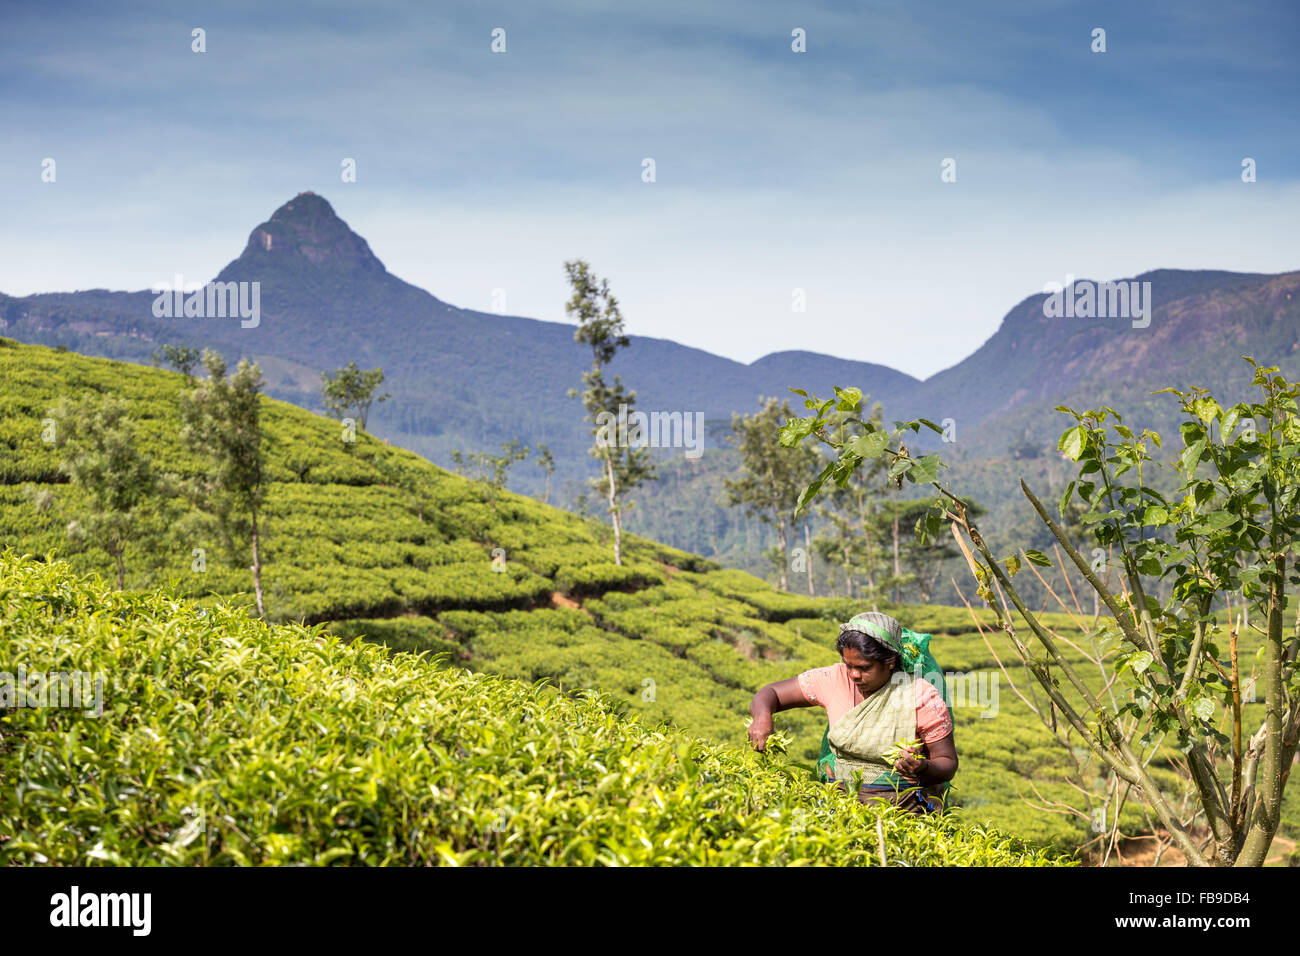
(305, 232)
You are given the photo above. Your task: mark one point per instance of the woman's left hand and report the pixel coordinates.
(910, 765)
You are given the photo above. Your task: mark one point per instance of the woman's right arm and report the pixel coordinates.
(778, 696)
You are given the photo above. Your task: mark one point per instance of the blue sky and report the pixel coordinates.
(775, 170)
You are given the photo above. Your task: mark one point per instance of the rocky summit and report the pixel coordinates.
(305, 231)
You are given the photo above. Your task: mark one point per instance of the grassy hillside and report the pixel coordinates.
(225, 740)
(669, 635)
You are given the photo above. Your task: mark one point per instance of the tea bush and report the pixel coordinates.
(412, 634)
(226, 740)
(592, 579)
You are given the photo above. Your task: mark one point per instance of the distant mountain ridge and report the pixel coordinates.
(1202, 323)
(459, 377)
(469, 379)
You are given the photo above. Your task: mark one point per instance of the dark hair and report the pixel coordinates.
(868, 647)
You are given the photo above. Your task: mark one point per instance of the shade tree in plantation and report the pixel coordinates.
(923, 558)
(488, 468)
(183, 358)
(352, 390)
(221, 422)
(868, 521)
(771, 477)
(415, 483)
(853, 531)
(114, 479)
(625, 461)
(546, 462)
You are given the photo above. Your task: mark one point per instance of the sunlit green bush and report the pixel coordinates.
(225, 740)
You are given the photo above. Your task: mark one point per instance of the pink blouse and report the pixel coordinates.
(832, 688)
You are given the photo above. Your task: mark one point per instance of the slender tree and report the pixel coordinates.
(490, 469)
(350, 388)
(771, 476)
(104, 462)
(853, 512)
(221, 422)
(183, 358)
(808, 555)
(546, 462)
(897, 579)
(600, 325)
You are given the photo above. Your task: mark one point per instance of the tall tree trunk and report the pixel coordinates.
(869, 549)
(546, 498)
(121, 570)
(1266, 811)
(257, 570)
(613, 509)
(807, 544)
(848, 580)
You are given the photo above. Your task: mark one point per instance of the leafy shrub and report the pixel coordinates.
(226, 740)
(597, 578)
(779, 605)
(414, 634)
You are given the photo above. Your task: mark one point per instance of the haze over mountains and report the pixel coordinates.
(471, 380)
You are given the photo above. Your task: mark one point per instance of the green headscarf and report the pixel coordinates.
(911, 647)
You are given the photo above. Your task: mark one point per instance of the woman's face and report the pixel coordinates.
(868, 675)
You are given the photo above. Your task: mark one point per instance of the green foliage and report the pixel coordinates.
(491, 469)
(351, 388)
(625, 462)
(591, 579)
(409, 634)
(102, 459)
(777, 606)
(221, 420)
(771, 476)
(1229, 527)
(229, 741)
(348, 544)
(183, 358)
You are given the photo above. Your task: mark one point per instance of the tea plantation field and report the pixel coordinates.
(227, 740)
(372, 541)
